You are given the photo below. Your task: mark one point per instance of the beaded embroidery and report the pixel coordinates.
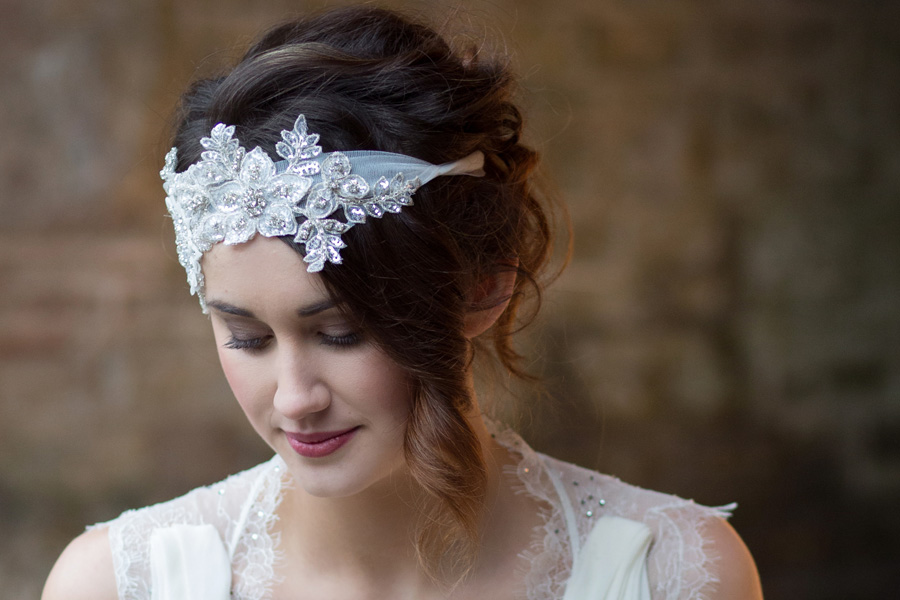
(231, 194)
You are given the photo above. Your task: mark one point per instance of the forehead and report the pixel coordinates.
(261, 270)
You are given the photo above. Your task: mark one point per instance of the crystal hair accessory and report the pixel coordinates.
(231, 194)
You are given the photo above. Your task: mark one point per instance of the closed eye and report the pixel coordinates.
(347, 339)
(248, 344)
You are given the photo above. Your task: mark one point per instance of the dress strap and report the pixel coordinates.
(568, 512)
(189, 562)
(613, 565)
(241, 522)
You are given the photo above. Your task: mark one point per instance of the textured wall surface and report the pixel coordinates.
(728, 329)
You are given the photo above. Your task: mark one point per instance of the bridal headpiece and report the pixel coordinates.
(231, 194)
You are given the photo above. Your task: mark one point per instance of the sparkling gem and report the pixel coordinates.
(255, 202)
(354, 187)
(230, 199)
(356, 214)
(307, 169)
(374, 209)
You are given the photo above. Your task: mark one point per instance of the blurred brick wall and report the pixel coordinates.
(728, 329)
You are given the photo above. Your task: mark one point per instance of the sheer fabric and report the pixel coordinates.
(680, 563)
(600, 539)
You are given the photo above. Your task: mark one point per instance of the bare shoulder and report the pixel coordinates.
(84, 570)
(738, 578)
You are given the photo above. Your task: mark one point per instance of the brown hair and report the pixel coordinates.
(369, 79)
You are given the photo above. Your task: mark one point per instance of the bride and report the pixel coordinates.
(356, 214)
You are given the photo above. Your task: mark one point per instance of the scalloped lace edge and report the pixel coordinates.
(688, 572)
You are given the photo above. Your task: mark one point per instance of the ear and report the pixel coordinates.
(489, 300)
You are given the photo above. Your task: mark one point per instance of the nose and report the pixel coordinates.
(301, 390)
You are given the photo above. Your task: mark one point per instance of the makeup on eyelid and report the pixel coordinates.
(346, 340)
(250, 333)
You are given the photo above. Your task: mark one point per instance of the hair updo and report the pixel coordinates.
(369, 79)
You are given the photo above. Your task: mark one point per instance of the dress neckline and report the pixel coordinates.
(546, 561)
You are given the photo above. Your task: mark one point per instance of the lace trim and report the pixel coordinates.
(242, 508)
(681, 563)
(131, 549)
(546, 575)
(689, 568)
(255, 554)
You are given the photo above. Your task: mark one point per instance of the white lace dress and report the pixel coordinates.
(601, 539)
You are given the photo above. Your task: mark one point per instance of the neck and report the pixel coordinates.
(370, 537)
(362, 534)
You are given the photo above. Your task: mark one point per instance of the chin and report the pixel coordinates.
(339, 487)
(318, 489)
(343, 479)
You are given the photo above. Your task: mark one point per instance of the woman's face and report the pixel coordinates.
(322, 396)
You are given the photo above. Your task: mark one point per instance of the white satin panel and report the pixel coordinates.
(189, 562)
(612, 564)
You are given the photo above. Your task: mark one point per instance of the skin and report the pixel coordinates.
(295, 364)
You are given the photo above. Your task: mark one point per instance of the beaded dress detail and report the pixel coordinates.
(680, 565)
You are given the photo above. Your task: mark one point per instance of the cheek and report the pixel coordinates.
(244, 383)
(394, 395)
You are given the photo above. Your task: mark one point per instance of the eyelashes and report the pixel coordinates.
(251, 344)
(257, 344)
(347, 339)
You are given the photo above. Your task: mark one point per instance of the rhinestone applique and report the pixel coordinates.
(589, 500)
(231, 194)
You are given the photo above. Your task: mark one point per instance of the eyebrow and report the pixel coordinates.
(230, 309)
(306, 311)
(313, 309)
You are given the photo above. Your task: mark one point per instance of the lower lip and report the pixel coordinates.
(323, 448)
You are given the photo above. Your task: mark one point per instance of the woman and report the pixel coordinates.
(356, 214)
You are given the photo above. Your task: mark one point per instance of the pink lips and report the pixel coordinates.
(320, 443)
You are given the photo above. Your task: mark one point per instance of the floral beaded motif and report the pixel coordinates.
(231, 194)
